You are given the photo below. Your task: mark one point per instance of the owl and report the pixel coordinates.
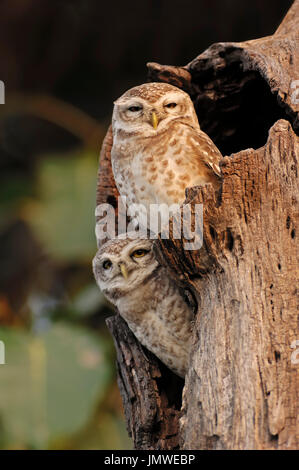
(158, 147)
(127, 272)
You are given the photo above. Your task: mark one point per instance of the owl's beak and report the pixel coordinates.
(154, 120)
(123, 270)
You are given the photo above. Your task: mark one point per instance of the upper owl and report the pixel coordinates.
(158, 147)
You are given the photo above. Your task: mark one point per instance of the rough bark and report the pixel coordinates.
(151, 407)
(241, 391)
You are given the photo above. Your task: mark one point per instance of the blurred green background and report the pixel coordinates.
(63, 63)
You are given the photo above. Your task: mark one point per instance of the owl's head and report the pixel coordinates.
(151, 108)
(123, 264)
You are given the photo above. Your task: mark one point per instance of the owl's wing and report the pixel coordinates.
(207, 150)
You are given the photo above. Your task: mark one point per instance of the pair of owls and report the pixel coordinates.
(158, 151)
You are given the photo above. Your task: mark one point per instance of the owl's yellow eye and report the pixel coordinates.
(139, 253)
(135, 109)
(171, 105)
(107, 264)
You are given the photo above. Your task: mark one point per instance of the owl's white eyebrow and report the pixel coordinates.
(137, 246)
(129, 102)
(140, 247)
(104, 258)
(133, 103)
(170, 97)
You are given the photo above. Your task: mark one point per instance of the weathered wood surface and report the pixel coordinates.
(242, 388)
(150, 406)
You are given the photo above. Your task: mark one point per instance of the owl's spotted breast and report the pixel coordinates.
(162, 169)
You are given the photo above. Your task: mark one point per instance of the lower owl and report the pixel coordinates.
(151, 303)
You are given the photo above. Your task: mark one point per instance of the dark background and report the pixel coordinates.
(63, 63)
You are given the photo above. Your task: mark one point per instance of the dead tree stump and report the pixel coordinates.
(242, 388)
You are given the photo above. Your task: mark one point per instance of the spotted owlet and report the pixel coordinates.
(151, 303)
(158, 147)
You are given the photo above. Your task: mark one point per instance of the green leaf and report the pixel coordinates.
(50, 383)
(63, 215)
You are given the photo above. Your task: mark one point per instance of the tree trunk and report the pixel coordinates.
(241, 390)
